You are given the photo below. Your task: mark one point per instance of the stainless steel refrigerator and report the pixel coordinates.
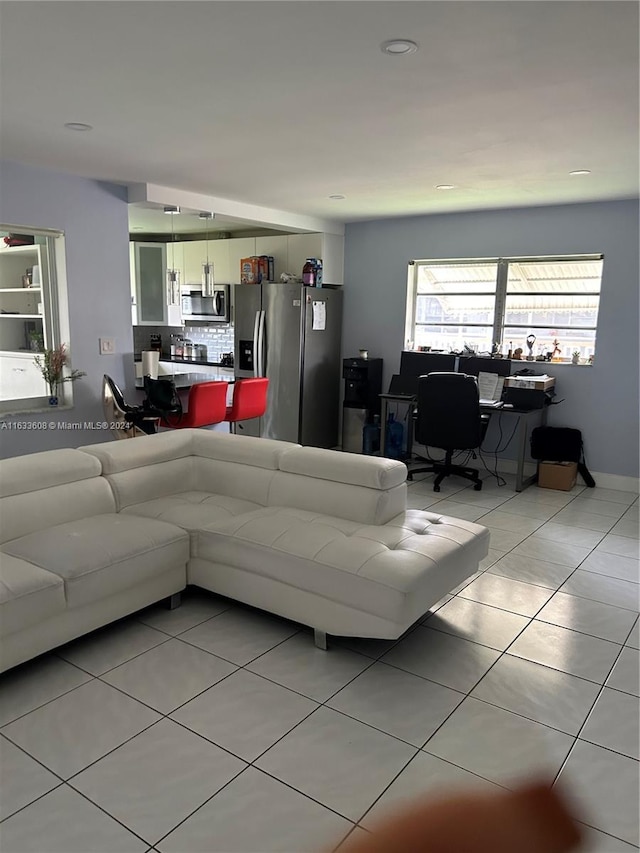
(292, 335)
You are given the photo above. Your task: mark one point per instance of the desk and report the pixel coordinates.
(522, 433)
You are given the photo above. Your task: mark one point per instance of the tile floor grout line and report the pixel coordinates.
(584, 723)
(113, 817)
(35, 800)
(128, 660)
(48, 702)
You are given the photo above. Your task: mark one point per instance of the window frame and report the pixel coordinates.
(500, 291)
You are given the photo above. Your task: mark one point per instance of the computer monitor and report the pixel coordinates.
(420, 363)
(473, 365)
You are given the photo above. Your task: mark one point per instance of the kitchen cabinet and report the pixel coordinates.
(277, 246)
(22, 309)
(175, 259)
(20, 377)
(152, 294)
(239, 247)
(299, 248)
(195, 254)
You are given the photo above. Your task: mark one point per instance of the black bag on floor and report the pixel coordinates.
(560, 444)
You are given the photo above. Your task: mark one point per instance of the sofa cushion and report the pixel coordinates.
(36, 471)
(105, 554)
(328, 497)
(192, 510)
(372, 568)
(160, 465)
(28, 594)
(117, 456)
(44, 489)
(240, 449)
(374, 473)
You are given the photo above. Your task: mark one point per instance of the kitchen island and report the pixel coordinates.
(184, 381)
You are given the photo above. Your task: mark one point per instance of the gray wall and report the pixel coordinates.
(94, 218)
(601, 400)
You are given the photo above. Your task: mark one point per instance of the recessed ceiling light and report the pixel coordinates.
(445, 186)
(171, 208)
(580, 172)
(137, 227)
(78, 125)
(398, 47)
(337, 196)
(206, 214)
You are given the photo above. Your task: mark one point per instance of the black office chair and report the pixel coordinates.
(449, 418)
(132, 420)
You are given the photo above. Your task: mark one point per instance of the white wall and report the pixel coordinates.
(94, 218)
(601, 400)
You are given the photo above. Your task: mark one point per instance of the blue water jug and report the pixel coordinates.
(371, 437)
(393, 438)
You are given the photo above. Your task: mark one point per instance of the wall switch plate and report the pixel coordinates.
(107, 346)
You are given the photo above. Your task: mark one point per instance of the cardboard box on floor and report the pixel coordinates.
(557, 475)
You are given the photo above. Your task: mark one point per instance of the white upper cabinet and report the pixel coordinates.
(219, 255)
(299, 248)
(195, 254)
(239, 248)
(276, 246)
(152, 296)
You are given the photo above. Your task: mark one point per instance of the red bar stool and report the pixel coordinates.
(207, 405)
(249, 401)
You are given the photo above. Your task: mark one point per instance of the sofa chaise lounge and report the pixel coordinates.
(324, 538)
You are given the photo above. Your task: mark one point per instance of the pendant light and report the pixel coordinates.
(173, 275)
(207, 266)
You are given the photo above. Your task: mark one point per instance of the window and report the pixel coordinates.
(33, 313)
(503, 300)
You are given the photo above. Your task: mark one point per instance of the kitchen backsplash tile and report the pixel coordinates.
(216, 338)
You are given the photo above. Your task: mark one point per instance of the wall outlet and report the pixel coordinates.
(107, 346)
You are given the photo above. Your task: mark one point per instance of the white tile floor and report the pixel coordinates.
(215, 727)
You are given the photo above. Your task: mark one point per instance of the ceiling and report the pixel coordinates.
(153, 220)
(286, 103)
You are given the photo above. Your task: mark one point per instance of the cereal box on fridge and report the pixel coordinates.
(250, 270)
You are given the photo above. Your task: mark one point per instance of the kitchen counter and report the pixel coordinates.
(179, 360)
(186, 380)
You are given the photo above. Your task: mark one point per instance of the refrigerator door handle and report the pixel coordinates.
(256, 347)
(261, 345)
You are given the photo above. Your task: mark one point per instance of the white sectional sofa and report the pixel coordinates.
(321, 537)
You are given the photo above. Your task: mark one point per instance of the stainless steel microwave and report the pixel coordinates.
(209, 309)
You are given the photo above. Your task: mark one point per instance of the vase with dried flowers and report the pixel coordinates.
(52, 364)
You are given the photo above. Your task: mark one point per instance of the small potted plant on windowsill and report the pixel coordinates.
(52, 364)
(575, 356)
(36, 341)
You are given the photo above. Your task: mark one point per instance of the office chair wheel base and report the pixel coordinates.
(436, 488)
(477, 487)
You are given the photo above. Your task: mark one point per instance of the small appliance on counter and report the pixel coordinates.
(177, 346)
(155, 342)
(226, 359)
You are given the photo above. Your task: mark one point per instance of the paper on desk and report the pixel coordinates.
(490, 386)
(319, 316)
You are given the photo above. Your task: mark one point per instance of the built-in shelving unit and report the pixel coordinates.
(23, 308)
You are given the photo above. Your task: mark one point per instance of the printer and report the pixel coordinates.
(529, 391)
